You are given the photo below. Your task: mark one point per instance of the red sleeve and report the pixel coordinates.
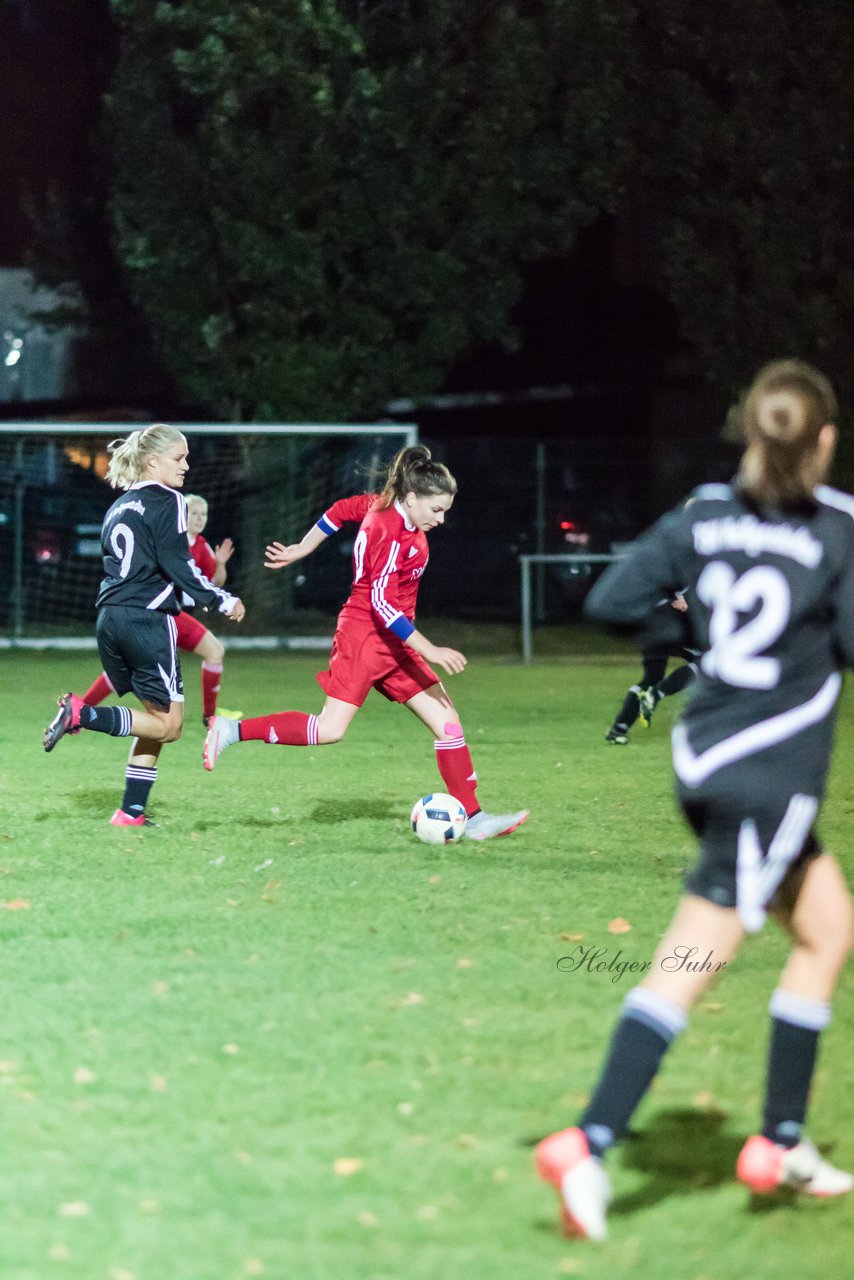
(201, 553)
(382, 564)
(347, 509)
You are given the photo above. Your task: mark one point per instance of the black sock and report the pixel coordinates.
(629, 711)
(138, 784)
(647, 1027)
(116, 721)
(675, 682)
(796, 1024)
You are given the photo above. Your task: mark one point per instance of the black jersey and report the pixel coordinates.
(771, 607)
(146, 554)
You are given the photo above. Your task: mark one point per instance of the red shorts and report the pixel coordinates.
(364, 658)
(190, 632)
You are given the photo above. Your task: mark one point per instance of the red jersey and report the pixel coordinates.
(206, 560)
(389, 557)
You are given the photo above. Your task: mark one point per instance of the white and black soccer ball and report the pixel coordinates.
(438, 818)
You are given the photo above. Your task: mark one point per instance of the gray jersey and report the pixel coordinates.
(146, 554)
(771, 607)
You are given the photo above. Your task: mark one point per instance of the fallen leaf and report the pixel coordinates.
(58, 1252)
(500, 1175)
(711, 1006)
(367, 1219)
(15, 904)
(121, 1273)
(427, 1213)
(412, 998)
(84, 1075)
(157, 1084)
(571, 937)
(405, 1108)
(346, 1166)
(74, 1209)
(465, 963)
(231, 1048)
(465, 1141)
(253, 1267)
(619, 925)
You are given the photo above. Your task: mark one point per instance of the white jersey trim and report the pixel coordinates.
(693, 769)
(835, 498)
(382, 607)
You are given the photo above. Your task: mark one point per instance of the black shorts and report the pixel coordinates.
(139, 652)
(755, 835)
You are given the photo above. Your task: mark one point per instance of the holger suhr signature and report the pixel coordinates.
(593, 959)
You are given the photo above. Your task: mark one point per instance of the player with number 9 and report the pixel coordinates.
(146, 567)
(770, 560)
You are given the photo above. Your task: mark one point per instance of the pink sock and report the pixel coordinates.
(100, 690)
(288, 728)
(211, 672)
(455, 766)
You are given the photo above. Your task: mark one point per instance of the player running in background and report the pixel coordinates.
(770, 561)
(376, 643)
(667, 636)
(193, 636)
(146, 566)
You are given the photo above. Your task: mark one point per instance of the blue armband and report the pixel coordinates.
(401, 627)
(326, 526)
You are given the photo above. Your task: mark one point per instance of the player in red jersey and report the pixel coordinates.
(376, 643)
(193, 635)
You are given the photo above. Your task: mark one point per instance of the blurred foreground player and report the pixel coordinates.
(376, 643)
(146, 566)
(770, 562)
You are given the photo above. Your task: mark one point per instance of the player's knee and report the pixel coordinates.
(216, 650)
(329, 733)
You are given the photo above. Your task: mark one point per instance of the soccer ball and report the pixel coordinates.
(438, 819)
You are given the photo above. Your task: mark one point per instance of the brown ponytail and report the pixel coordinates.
(413, 470)
(784, 411)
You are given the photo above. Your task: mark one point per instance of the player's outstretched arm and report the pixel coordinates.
(450, 660)
(278, 556)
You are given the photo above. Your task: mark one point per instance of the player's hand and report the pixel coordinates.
(680, 604)
(279, 556)
(224, 551)
(450, 660)
(238, 613)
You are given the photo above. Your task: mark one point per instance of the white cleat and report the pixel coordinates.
(483, 826)
(763, 1166)
(583, 1186)
(221, 734)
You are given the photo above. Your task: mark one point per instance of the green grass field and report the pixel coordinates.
(279, 1037)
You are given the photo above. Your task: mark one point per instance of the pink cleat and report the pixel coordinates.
(66, 720)
(122, 819)
(763, 1167)
(583, 1186)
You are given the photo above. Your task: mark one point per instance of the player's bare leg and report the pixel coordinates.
(286, 728)
(435, 709)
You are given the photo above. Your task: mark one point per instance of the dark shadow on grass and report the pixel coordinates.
(335, 811)
(96, 800)
(681, 1152)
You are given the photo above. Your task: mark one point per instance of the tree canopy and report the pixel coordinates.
(320, 204)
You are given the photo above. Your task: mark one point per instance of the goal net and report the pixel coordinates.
(262, 484)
